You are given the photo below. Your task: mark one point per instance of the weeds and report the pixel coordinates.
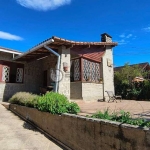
(122, 116)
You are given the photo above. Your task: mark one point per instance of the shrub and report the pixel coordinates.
(123, 117)
(73, 108)
(24, 98)
(56, 103)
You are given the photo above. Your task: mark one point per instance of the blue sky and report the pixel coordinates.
(25, 23)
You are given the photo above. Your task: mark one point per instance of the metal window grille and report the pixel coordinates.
(77, 69)
(19, 75)
(5, 73)
(86, 70)
(91, 71)
(97, 69)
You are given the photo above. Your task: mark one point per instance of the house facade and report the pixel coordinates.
(79, 70)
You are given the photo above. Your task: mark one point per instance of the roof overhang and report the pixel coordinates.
(55, 43)
(6, 50)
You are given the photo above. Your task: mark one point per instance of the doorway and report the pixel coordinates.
(45, 78)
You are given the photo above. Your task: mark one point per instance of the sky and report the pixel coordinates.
(25, 23)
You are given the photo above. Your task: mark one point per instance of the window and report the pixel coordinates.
(19, 75)
(11, 72)
(5, 73)
(85, 70)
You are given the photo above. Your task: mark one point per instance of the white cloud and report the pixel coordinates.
(125, 36)
(8, 36)
(147, 29)
(43, 5)
(122, 35)
(129, 35)
(122, 42)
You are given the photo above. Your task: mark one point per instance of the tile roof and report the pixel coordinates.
(39, 50)
(92, 53)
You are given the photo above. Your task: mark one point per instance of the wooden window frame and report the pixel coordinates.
(81, 59)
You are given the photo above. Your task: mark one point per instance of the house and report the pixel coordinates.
(145, 67)
(74, 69)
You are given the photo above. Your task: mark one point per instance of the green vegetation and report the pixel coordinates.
(54, 103)
(72, 108)
(125, 86)
(24, 99)
(122, 116)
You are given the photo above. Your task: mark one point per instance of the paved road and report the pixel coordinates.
(16, 134)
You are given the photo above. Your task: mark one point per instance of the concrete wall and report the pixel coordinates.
(92, 91)
(2, 89)
(86, 91)
(48, 64)
(64, 84)
(33, 76)
(76, 90)
(81, 133)
(10, 89)
(108, 71)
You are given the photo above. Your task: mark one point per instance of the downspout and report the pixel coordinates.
(58, 65)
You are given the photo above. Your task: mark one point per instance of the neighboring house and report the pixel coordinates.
(8, 70)
(144, 66)
(83, 65)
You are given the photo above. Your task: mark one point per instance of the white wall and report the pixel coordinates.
(64, 84)
(92, 91)
(108, 72)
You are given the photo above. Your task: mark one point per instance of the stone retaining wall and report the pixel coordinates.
(81, 133)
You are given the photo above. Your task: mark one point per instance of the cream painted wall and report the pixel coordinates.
(108, 71)
(64, 84)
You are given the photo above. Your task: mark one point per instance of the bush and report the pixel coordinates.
(24, 99)
(73, 108)
(123, 117)
(56, 103)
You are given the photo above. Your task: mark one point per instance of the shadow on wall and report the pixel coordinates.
(9, 89)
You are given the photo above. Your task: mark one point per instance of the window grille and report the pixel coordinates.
(5, 73)
(19, 75)
(86, 70)
(77, 69)
(91, 71)
(97, 69)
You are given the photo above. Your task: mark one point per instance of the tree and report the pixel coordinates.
(123, 80)
(128, 73)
